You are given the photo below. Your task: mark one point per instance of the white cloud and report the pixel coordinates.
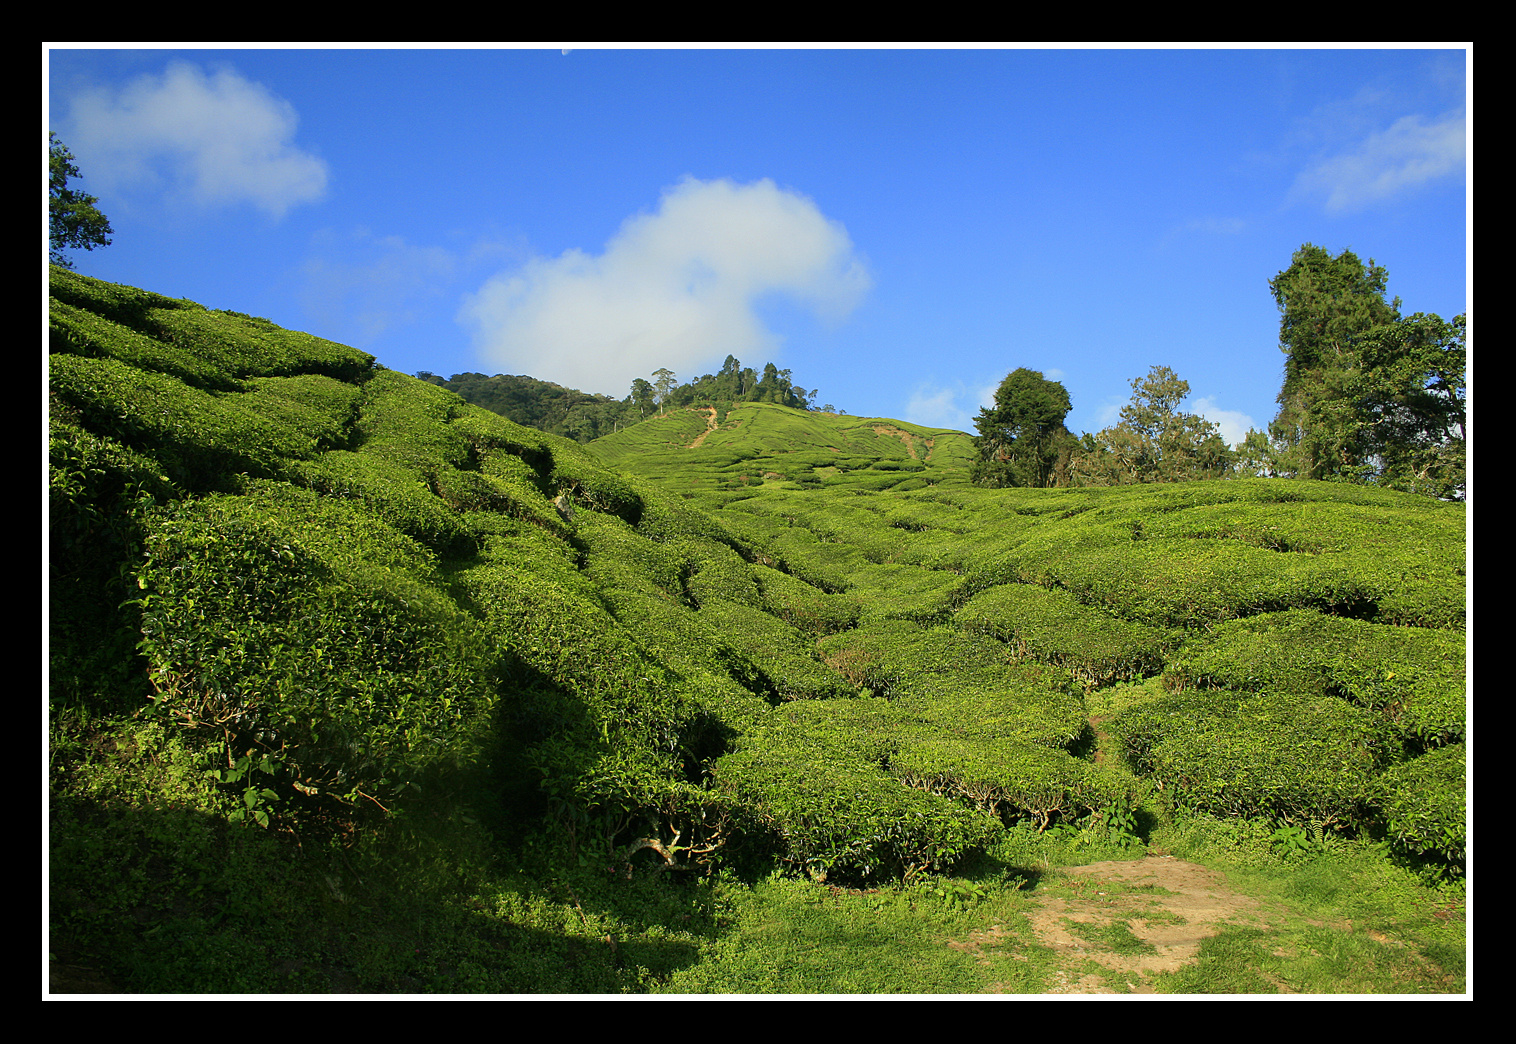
(1383, 165)
(935, 407)
(675, 288)
(1234, 425)
(216, 138)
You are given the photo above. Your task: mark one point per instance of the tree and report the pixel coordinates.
(1397, 416)
(1019, 438)
(1155, 442)
(73, 222)
(1326, 305)
(664, 382)
(642, 397)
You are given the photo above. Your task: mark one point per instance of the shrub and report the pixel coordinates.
(1052, 627)
(833, 811)
(201, 439)
(1425, 804)
(1411, 677)
(1292, 757)
(306, 630)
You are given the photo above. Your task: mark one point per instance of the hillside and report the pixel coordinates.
(741, 445)
(357, 687)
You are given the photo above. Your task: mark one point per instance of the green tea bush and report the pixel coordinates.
(406, 420)
(200, 439)
(1287, 756)
(244, 346)
(1004, 777)
(75, 331)
(1424, 802)
(896, 591)
(125, 305)
(391, 491)
(833, 812)
(1051, 626)
(781, 654)
(880, 656)
(301, 631)
(1413, 678)
(99, 497)
(618, 557)
(717, 573)
(803, 606)
(1028, 702)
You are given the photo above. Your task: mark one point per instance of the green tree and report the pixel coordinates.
(664, 382)
(1398, 414)
(642, 397)
(1326, 305)
(1020, 437)
(1155, 442)
(73, 221)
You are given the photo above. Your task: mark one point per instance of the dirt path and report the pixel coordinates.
(710, 426)
(1130, 919)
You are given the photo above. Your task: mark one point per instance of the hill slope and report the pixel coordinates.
(760, 444)
(325, 636)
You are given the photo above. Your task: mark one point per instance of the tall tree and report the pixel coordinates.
(1020, 436)
(642, 397)
(1155, 442)
(1326, 305)
(73, 221)
(1397, 416)
(665, 383)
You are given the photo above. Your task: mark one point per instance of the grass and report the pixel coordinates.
(153, 891)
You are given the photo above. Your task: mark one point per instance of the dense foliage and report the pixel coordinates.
(321, 601)
(1021, 436)
(74, 222)
(584, 417)
(1368, 396)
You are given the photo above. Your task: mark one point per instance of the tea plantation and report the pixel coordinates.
(357, 687)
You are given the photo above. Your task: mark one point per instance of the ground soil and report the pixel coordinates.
(1167, 903)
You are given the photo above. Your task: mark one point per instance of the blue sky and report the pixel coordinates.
(900, 228)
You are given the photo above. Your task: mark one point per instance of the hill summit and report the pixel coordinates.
(742, 445)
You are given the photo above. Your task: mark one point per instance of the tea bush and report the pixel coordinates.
(1298, 758)
(816, 785)
(300, 627)
(1050, 626)
(1424, 802)
(78, 332)
(200, 439)
(1411, 677)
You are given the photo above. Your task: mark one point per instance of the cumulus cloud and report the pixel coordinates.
(677, 288)
(215, 138)
(1407, 155)
(955, 408)
(1233, 424)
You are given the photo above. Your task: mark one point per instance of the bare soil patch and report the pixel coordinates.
(710, 426)
(1113, 925)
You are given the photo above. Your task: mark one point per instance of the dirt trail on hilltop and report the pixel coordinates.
(710, 426)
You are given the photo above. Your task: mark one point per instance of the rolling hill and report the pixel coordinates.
(355, 686)
(759, 444)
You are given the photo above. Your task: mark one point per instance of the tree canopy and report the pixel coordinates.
(1020, 437)
(1368, 396)
(1326, 304)
(74, 222)
(1155, 442)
